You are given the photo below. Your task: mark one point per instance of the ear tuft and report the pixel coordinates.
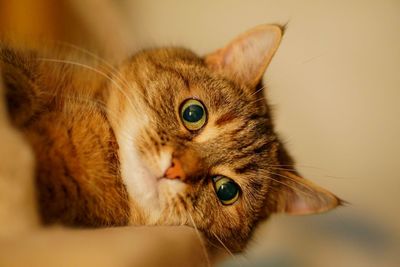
(246, 58)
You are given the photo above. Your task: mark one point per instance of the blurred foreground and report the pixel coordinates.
(335, 85)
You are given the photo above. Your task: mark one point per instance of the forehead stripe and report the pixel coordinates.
(251, 166)
(226, 118)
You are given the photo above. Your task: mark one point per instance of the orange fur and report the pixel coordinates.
(104, 138)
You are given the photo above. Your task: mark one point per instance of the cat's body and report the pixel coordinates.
(113, 147)
(79, 182)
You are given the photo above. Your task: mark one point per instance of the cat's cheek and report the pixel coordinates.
(169, 189)
(170, 193)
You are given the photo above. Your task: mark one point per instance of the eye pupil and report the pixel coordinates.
(227, 191)
(193, 113)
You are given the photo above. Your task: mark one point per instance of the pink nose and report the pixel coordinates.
(175, 171)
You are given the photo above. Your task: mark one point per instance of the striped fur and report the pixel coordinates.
(104, 138)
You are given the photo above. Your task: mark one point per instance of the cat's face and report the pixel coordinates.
(197, 145)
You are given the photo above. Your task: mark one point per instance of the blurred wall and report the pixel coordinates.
(335, 87)
(95, 25)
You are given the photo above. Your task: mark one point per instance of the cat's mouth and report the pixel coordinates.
(159, 191)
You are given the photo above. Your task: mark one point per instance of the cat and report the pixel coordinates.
(167, 137)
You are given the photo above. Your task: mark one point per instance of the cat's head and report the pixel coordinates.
(197, 144)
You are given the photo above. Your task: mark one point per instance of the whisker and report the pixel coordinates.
(340, 177)
(259, 90)
(260, 99)
(208, 241)
(94, 70)
(291, 179)
(198, 211)
(169, 204)
(201, 240)
(298, 165)
(110, 67)
(324, 175)
(87, 52)
(227, 249)
(289, 186)
(87, 100)
(183, 212)
(283, 169)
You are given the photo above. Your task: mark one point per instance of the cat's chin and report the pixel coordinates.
(174, 184)
(168, 189)
(161, 201)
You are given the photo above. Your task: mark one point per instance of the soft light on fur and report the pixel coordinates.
(104, 138)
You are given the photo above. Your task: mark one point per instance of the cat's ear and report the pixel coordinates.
(298, 196)
(246, 58)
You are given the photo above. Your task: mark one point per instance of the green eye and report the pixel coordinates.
(227, 190)
(193, 114)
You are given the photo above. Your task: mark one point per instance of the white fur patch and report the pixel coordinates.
(139, 180)
(142, 180)
(165, 159)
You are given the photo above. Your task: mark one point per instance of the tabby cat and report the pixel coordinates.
(165, 138)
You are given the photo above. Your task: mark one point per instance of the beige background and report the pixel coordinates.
(335, 85)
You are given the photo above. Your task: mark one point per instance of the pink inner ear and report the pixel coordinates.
(304, 197)
(246, 57)
(300, 206)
